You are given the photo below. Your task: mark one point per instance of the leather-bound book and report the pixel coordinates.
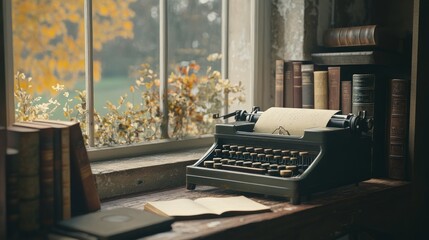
(84, 195)
(362, 36)
(12, 193)
(398, 129)
(297, 85)
(46, 139)
(289, 85)
(26, 141)
(321, 89)
(280, 84)
(62, 186)
(363, 94)
(307, 71)
(346, 97)
(334, 74)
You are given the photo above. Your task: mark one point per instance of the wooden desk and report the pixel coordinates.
(375, 209)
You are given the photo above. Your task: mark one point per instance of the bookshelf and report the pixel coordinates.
(418, 127)
(412, 15)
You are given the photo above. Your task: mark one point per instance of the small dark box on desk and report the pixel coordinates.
(286, 152)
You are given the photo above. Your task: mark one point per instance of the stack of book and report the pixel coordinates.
(299, 85)
(48, 176)
(353, 72)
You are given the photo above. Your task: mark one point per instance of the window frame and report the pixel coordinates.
(260, 65)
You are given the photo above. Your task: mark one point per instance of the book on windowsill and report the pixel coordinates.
(205, 207)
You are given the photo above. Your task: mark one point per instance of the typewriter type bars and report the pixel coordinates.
(282, 165)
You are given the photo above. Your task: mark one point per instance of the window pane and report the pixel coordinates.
(194, 34)
(122, 116)
(121, 57)
(48, 47)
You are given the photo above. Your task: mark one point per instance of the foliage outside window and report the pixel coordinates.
(136, 117)
(48, 43)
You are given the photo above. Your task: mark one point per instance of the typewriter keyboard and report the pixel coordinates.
(258, 160)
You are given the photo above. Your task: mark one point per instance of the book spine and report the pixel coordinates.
(350, 36)
(27, 145)
(363, 94)
(398, 129)
(12, 194)
(46, 178)
(289, 85)
(307, 71)
(297, 85)
(321, 89)
(65, 173)
(84, 193)
(58, 183)
(334, 74)
(3, 180)
(346, 97)
(280, 84)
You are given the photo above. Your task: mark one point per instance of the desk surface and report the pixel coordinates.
(376, 207)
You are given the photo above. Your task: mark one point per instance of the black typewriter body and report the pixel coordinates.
(335, 157)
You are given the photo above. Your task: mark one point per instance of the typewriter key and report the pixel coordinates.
(292, 168)
(277, 151)
(268, 151)
(217, 165)
(286, 173)
(265, 165)
(293, 161)
(259, 150)
(241, 148)
(247, 164)
(286, 160)
(274, 166)
(234, 147)
(225, 153)
(208, 164)
(285, 152)
(218, 152)
(239, 155)
(226, 146)
(256, 164)
(294, 153)
(239, 163)
(224, 160)
(249, 149)
(281, 167)
(253, 157)
(273, 172)
(231, 162)
(216, 160)
(246, 156)
(231, 154)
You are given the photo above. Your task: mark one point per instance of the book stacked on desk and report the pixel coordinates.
(49, 176)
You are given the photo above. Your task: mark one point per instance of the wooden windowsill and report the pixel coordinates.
(377, 208)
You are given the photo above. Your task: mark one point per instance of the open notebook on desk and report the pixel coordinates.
(205, 207)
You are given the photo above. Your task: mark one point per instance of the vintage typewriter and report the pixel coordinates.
(282, 164)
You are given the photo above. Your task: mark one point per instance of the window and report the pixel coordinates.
(49, 46)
